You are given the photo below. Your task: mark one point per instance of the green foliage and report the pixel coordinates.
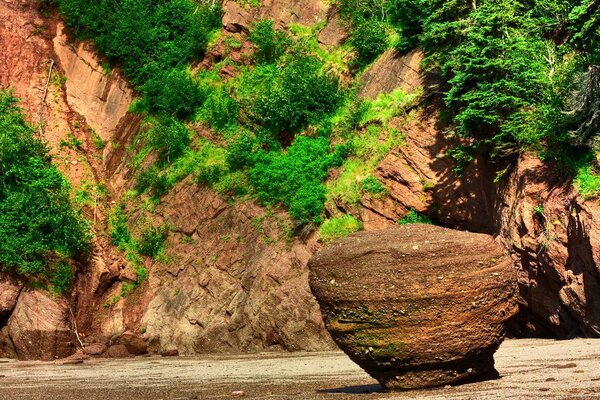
(413, 217)
(270, 43)
(372, 185)
(370, 39)
(38, 224)
(489, 88)
(335, 228)
(150, 242)
(295, 177)
(145, 37)
(172, 92)
(118, 228)
(61, 278)
(153, 180)
(288, 96)
(587, 182)
(220, 111)
(169, 137)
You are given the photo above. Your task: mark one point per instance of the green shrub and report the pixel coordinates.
(154, 181)
(118, 228)
(587, 182)
(295, 177)
(151, 241)
(172, 92)
(145, 37)
(169, 137)
(220, 111)
(270, 43)
(372, 185)
(288, 97)
(369, 38)
(37, 219)
(413, 217)
(61, 277)
(335, 228)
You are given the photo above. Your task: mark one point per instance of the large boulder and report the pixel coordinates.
(39, 327)
(417, 305)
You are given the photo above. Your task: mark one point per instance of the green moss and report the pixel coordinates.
(335, 228)
(413, 217)
(587, 182)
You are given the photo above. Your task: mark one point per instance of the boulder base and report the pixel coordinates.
(418, 305)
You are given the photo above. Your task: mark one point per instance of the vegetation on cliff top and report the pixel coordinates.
(39, 229)
(506, 72)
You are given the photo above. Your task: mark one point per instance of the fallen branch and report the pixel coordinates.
(41, 114)
(74, 323)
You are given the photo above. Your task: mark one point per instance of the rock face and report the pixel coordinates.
(238, 18)
(39, 327)
(9, 293)
(102, 98)
(391, 71)
(418, 305)
(231, 287)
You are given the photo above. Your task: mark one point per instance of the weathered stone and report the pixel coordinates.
(7, 350)
(170, 353)
(335, 32)
(238, 18)
(9, 293)
(94, 349)
(417, 305)
(392, 71)
(134, 344)
(39, 327)
(118, 351)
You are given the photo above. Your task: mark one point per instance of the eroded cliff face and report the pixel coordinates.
(237, 280)
(532, 206)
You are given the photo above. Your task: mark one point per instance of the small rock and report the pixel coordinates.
(544, 389)
(550, 379)
(170, 353)
(72, 362)
(565, 366)
(95, 349)
(447, 387)
(238, 393)
(135, 344)
(118, 351)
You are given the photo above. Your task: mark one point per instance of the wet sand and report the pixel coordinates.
(529, 369)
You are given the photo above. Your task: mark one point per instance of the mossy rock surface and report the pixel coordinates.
(418, 305)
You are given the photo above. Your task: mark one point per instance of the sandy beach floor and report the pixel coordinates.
(529, 369)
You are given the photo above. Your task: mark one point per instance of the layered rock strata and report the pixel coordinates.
(418, 305)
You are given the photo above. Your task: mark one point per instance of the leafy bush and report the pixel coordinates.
(169, 137)
(413, 217)
(145, 37)
(37, 220)
(270, 43)
(287, 97)
(335, 228)
(369, 38)
(372, 185)
(117, 226)
(295, 177)
(154, 181)
(151, 241)
(61, 278)
(220, 111)
(587, 182)
(172, 92)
